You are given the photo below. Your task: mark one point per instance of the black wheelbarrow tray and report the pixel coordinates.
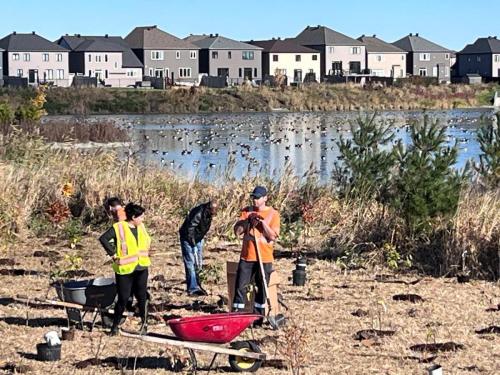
(209, 333)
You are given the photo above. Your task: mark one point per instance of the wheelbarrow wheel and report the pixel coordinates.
(242, 364)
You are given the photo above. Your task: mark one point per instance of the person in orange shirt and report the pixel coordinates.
(258, 223)
(114, 208)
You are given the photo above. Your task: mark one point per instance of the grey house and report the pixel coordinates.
(108, 58)
(36, 58)
(164, 55)
(224, 57)
(340, 54)
(425, 58)
(482, 57)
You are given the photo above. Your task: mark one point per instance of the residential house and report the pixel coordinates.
(108, 58)
(224, 57)
(289, 58)
(36, 58)
(164, 55)
(481, 57)
(383, 59)
(425, 58)
(340, 54)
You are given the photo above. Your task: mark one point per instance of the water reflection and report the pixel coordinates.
(263, 143)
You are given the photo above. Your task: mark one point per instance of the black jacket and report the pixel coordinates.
(196, 224)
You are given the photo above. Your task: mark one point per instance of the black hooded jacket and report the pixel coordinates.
(196, 224)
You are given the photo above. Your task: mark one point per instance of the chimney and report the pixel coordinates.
(362, 36)
(279, 38)
(14, 33)
(211, 35)
(273, 38)
(32, 33)
(411, 34)
(106, 35)
(416, 34)
(374, 35)
(217, 35)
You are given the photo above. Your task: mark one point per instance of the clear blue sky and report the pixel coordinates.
(451, 23)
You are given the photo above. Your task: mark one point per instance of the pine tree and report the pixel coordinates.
(426, 185)
(488, 136)
(365, 168)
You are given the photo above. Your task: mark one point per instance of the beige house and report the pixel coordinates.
(290, 59)
(383, 59)
(108, 58)
(35, 58)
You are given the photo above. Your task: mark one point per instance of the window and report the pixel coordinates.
(45, 57)
(60, 73)
(178, 55)
(106, 59)
(59, 57)
(315, 57)
(425, 57)
(19, 72)
(379, 58)
(90, 73)
(247, 55)
(280, 72)
(446, 71)
(447, 56)
(378, 72)
(297, 58)
(240, 72)
(497, 58)
(185, 72)
(215, 55)
(331, 49)
(275, 57)
(156, 55)
(435, 71)
(478, 58)
(26, 57)
(130, 73)
(98, 58)
(255, 72)
(15, 56)
(355, 50)
(106, 73)
(90, 57)
(116, 64)
(50, 74)
(192, 55)
(403, 57)
(422, 72)
(151, 72)
(229, 55)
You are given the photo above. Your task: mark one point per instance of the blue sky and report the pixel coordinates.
(451, 23)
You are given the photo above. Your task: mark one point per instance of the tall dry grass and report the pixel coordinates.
(32, 176)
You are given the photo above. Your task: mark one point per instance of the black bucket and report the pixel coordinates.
(299, 277)
(45, 352)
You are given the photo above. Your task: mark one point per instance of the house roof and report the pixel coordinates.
(151, 37)
(376, 45)
(322, 35)
(282, 46)
(415, 43)
(483, 46)
(215, 41)
(86, 43)
(32, 42)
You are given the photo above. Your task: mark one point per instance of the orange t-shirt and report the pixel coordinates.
(272, 218)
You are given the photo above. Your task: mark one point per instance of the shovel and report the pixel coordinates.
(274, 321)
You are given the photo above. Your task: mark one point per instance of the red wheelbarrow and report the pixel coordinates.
(209, 333)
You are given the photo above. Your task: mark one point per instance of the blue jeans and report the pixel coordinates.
(193, 262)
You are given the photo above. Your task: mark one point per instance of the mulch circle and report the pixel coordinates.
(490, 329)
(14, 368)
(359, 313)
(449, 346)
(413, 298)
(367, 334)
(7, 262)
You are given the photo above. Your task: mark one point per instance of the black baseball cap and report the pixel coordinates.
(258, 192)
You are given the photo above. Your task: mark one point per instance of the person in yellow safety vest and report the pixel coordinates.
(127, 242)
(259, 224)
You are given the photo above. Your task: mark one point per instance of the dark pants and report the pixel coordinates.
(247, 271)
(136, 283)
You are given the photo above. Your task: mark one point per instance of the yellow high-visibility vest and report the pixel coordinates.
(130, 251)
